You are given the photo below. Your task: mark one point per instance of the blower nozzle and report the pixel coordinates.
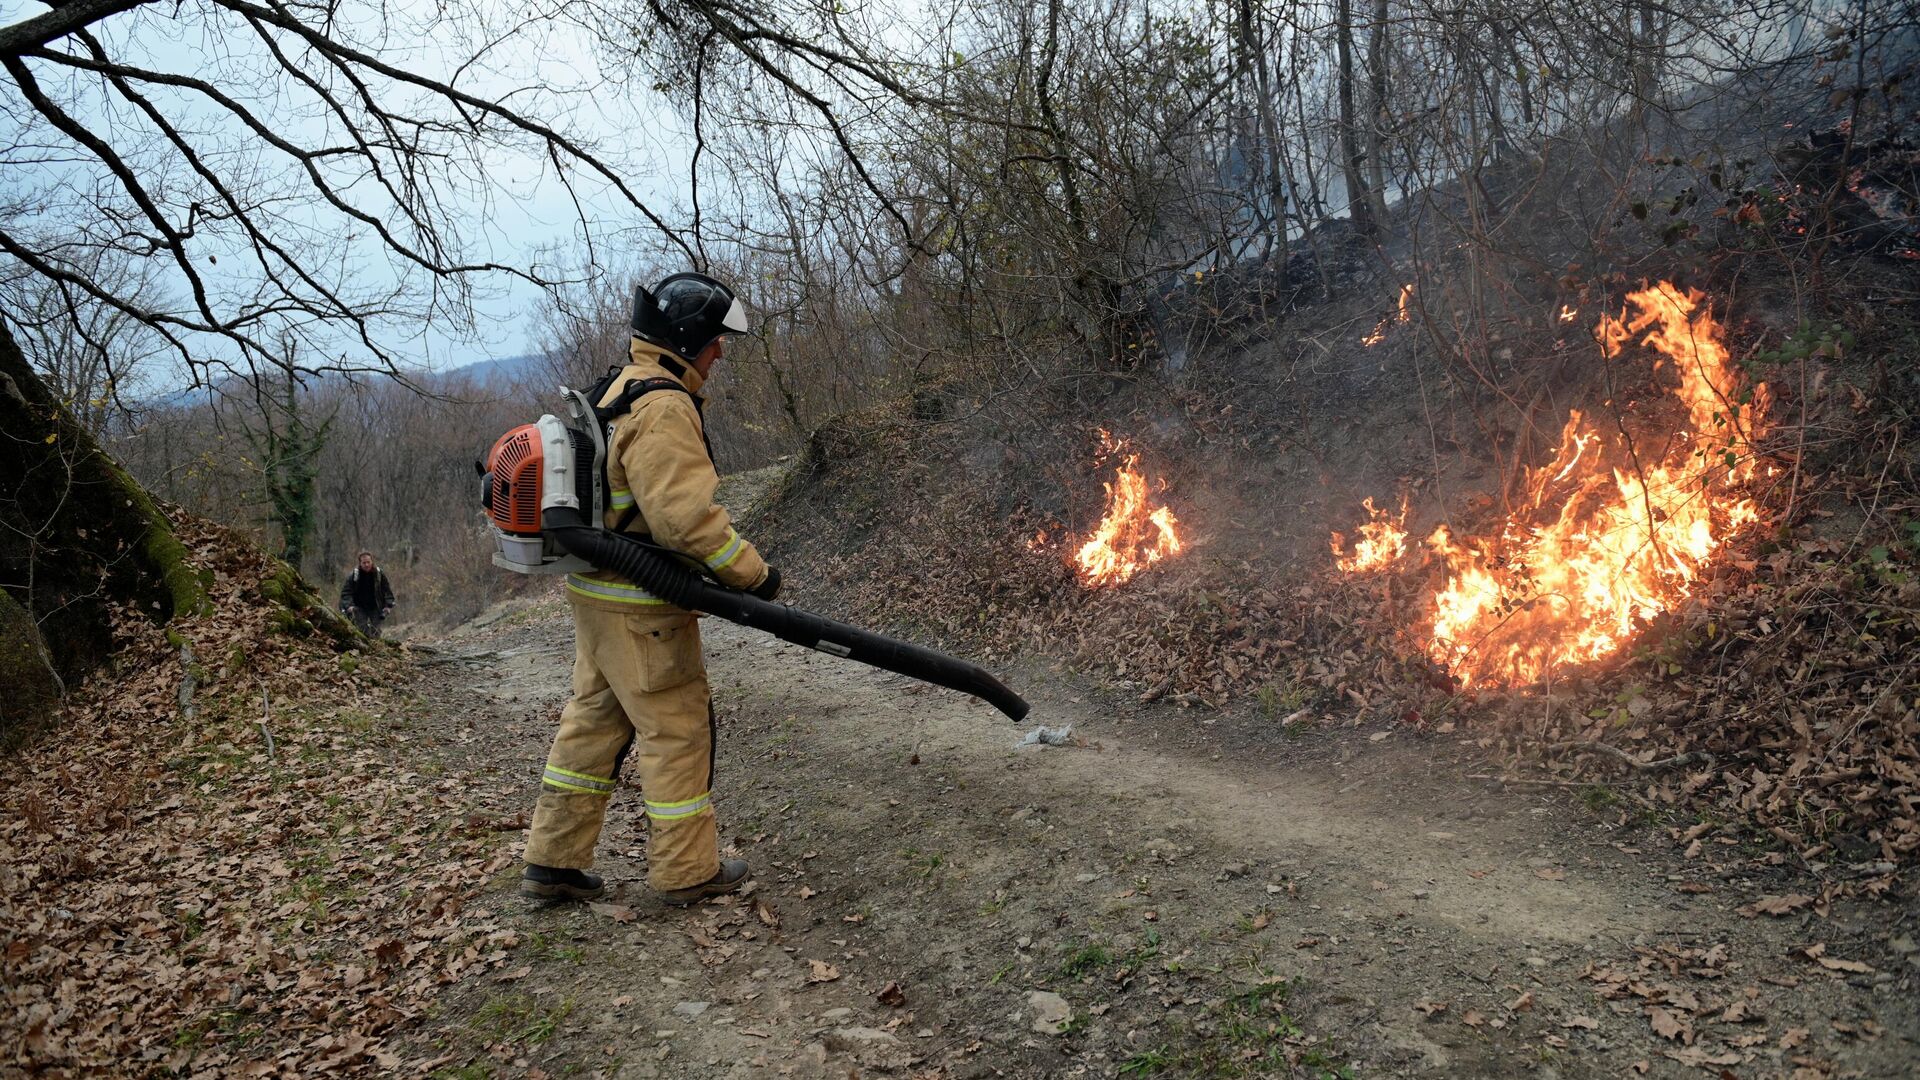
(670, 580)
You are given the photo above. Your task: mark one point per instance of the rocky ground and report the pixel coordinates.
(1175, 892)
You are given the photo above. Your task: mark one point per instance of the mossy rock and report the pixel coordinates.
(32, 687)
(303, 612)
(77, 526)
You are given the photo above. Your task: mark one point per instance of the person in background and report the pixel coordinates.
(367, 596)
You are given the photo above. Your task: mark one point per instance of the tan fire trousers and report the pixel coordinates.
(639, 684)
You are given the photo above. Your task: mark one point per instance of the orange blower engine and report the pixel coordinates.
(535, 467)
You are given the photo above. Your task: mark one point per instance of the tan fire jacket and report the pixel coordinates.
(657, 462)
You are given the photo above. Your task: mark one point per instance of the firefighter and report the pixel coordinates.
(638, 680)
(367, 596)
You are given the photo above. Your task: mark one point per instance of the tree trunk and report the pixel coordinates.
(1269, 138)
(1359, 203)
(78, 536)
(1377, 113)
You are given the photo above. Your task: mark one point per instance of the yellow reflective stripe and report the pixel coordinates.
(621, 498)
(608, 590)
(573, 781)
(723, 558)
(564, 786)
(579, 775)
(687, 808)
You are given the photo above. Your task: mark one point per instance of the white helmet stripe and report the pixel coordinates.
(736, 317)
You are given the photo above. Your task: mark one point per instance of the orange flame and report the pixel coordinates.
(1133, 535)
(1568, 312)
(1598, 546)
(1402, 315)
(1380, 543)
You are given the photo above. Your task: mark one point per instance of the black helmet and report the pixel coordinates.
(686, 312)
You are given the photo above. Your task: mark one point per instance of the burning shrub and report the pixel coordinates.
(1607, 535)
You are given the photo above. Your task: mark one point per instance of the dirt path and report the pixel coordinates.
(1206, 899)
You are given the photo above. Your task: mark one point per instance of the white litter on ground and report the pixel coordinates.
(1048, 736)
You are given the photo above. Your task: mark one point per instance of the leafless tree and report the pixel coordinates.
(90, 354)
(320, 170)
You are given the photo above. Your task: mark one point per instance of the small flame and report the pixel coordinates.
(1568, 312)
(1600, 546)
(1402, 314)
(1133, 535)
(1380, 543)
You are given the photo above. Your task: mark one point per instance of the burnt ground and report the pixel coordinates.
(1207, 894)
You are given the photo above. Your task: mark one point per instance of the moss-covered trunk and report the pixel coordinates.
(77, 537)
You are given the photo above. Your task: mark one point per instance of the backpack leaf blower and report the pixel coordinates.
(544, 491)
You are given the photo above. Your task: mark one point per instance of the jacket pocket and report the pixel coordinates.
(667, 655)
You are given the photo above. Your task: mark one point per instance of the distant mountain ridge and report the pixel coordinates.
(497, 372)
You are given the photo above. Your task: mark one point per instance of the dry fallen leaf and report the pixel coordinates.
(1699, 1057)
(617, 912)
(1472, 1019)
(766, 914)
(1834, 963)
(1776, 905)
(891, 995)
(1548, 873)
(1793, 1037)
(822, 972)
(1523, 1003)
(1429, 1008)
(1586, 1022)
(1669, 1026)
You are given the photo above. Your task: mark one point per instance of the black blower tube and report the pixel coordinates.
(677, 584)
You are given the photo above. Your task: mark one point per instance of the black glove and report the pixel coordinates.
(769, 587)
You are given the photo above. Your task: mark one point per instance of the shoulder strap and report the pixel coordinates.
(601, 385)
(623, 404)
(632, 392)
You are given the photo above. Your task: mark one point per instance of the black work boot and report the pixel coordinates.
(733, 873)
(553, 883)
